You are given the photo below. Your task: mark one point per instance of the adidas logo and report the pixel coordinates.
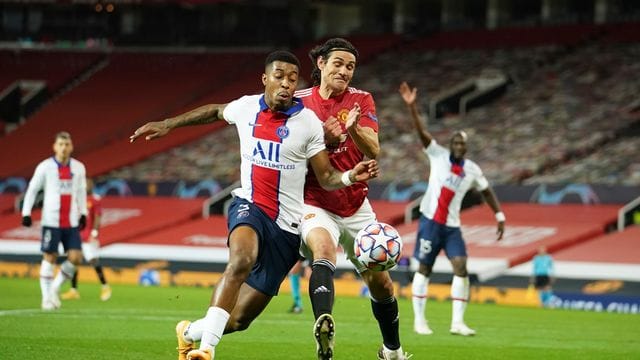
(321, 289)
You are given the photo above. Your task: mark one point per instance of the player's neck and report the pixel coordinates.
(62, 160)
(327, 92)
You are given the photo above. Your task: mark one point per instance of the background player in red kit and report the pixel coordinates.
(91, 246)
(334, 217)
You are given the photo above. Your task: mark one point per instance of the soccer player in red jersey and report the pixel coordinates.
(451, 176)
(334, 217)
(91, 246)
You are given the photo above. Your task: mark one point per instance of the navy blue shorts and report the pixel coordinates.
(278, 249)
(52, 237)
(433, 237)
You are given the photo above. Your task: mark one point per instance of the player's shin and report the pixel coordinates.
(46, 278)
(321, 288)
(419, 292)
(386, 312)
(67, 270)
(460, 297)
(214, 323)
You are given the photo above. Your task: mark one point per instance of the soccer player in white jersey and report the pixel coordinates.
(335, 217)
(64, 213)
(278, 137)
(452, 175)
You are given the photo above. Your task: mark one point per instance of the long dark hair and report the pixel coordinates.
(325, 51)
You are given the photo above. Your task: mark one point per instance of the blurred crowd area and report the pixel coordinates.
(569, 115)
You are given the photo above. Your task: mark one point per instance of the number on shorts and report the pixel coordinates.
(425, 247)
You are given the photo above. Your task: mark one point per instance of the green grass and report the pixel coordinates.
(138, 323)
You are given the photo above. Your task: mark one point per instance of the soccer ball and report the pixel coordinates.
(378, 246)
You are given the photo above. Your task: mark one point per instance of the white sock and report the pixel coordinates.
(459, 297)
(46, 278)
(194, 331)
(67, 269)
(214, 323)
(419, 291)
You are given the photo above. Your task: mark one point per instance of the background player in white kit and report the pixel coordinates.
(451, 177)
(64, 212)
(278, 138)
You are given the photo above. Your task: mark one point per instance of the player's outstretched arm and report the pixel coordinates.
(203, 115)
(409, 96)
(332, 179)
(366, 139)
(492, 200)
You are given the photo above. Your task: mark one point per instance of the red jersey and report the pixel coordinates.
(344, 155)
(94, 208)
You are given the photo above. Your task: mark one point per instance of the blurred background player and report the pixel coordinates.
(278, 138)
(451, 177)
(91, 246)
(542, 277)
(64, 210)
(294, 279)
(335, 217)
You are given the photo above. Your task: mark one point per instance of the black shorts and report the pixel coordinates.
(541, 281)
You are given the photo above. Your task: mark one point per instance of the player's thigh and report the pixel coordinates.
(454, 245)
(70, 238)
(350, 226)
(50, 241)
(250, 304)
(317, 224)
(429, 241)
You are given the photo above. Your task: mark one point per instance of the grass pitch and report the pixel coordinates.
(138, 323)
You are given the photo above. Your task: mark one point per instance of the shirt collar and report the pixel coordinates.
(295, 107)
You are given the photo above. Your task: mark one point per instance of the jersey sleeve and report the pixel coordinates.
(435, 150)
(316, 134)
(81, 195)
(481, 182)
(368, 115)
(231, 111)
(35, 185)
(97, 206)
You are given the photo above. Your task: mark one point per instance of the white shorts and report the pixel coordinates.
(90, 250)
(342, 229)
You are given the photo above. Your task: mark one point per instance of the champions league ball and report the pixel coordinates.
(378, 246)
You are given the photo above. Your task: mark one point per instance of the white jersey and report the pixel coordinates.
(65, 192)
(275, 147)
(448, 183)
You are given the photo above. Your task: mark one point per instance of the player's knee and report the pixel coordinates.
(381, 287)
(75, 257)
(240, 265)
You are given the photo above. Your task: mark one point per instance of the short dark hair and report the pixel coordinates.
(325, 50)
(62, 135)
(282, 55)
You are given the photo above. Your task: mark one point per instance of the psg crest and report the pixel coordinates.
(282, 132)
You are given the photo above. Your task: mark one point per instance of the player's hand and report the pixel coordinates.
(408, 95)
(332, 130)
(364, 171)
(82, 222)
(26, 221)
(153, 130)
(500, 231)
(354, 116)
